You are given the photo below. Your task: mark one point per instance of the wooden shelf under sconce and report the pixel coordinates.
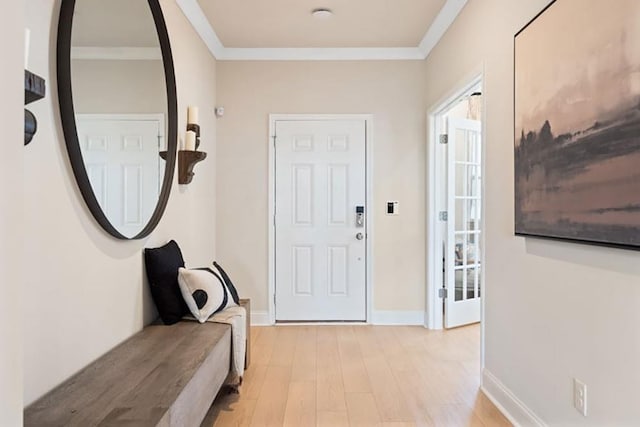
(34, 89)
(186, 161)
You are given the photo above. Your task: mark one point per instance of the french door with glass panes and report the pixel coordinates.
(464, 236)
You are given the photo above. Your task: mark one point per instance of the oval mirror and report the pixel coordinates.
(117, 95)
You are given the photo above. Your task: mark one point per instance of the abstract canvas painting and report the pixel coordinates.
(577, 123)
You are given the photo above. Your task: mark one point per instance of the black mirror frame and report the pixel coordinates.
(67, 113)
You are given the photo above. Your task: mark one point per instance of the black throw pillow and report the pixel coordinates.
(162, 266)
(228, 282)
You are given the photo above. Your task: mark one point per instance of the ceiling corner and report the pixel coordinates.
(194, 14)
(440, 25)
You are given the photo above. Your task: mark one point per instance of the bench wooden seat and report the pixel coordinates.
(162, 376)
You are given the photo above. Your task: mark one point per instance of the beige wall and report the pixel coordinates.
(553, 310)
(105, 86)
(11, 264)
(394, 93)
(85, 291)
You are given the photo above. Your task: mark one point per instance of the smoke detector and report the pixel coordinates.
(321, 13)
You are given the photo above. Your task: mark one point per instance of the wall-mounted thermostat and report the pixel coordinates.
(392, 208)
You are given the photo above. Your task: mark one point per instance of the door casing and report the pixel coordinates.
(368, 119)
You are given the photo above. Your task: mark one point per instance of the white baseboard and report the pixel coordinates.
(260, 318)
(507, 402)
(397, 318)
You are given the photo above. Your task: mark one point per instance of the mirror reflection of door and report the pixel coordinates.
(122, 162)
(120, 103)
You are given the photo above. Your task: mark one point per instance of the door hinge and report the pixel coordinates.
(443, 216)
(442, 293)
(274, 300)
(444, 138)
(274, 140)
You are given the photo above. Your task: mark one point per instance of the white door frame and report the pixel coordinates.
(368, 119)
(435, 237)
(156, 117)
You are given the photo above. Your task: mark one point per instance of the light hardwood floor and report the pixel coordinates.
(360, 376)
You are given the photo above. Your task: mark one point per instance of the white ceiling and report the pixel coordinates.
(288, 23)
(285, 29)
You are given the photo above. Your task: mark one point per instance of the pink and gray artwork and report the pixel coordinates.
(577, 123)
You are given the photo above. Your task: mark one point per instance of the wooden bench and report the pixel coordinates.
(162, 376)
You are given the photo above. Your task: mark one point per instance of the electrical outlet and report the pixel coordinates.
(580, 396)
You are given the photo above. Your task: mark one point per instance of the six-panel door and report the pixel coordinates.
(124, 168)
(320, 180)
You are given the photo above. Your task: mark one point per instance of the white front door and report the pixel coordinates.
(320, 244)
(124, 167)
(464, 236)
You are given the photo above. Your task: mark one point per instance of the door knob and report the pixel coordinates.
(359, 236)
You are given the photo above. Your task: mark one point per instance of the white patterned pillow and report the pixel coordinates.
(204, 292)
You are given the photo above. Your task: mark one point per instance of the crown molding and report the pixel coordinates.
(440, 25)
(201, 24)
(199, 21)
(320, 54)
(117, 53)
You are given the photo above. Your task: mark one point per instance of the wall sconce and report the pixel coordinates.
(34, 89)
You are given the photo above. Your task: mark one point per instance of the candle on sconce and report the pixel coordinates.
(192, 116)
(190, 141)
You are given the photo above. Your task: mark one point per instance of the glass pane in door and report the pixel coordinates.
(473, 179)
(471, 283)
(471, 147)
(460, 283)
(460, 215)
(461, 179)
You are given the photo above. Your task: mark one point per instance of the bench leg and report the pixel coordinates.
(231, 389)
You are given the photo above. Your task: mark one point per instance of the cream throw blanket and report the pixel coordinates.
(236, 316)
